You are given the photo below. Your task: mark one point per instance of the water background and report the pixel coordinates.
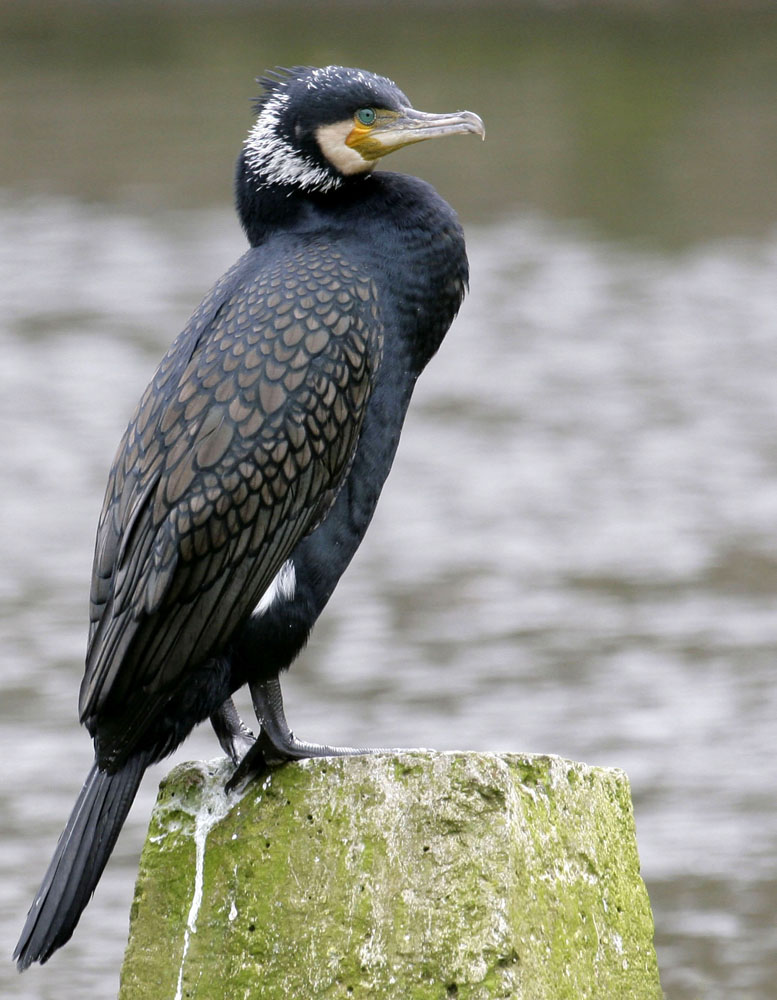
(576, 551)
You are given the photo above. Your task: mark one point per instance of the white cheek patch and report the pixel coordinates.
(331, 141)
(282, 588)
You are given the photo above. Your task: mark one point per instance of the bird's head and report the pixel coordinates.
(317, 127)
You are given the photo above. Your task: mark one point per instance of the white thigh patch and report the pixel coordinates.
(282, 588)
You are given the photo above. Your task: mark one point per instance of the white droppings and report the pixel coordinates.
(215, 806)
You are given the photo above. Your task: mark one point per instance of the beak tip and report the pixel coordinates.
(476, 124)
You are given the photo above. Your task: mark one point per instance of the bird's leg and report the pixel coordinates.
(279, 743)
(276, 743)
(233, 734)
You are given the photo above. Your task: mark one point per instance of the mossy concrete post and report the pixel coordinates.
(409, 876)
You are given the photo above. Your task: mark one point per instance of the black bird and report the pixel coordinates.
(253, 463)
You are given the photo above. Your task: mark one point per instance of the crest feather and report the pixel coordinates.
(273, 80)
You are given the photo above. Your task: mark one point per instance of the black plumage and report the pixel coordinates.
(251, 468)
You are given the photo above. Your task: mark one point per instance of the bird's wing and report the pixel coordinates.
(236, 450)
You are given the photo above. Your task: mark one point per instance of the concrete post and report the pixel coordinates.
(410, 876)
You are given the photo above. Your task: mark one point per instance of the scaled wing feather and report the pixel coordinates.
(239, 445)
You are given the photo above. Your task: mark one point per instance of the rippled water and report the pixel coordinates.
(575, 552)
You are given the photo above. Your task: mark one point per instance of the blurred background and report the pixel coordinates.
(576, 551)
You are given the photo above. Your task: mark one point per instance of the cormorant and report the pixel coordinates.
(252, 465)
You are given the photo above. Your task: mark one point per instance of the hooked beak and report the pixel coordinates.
(395, 129)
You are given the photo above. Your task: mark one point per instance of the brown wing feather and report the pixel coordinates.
(236, 448)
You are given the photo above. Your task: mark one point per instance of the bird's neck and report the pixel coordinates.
(396, 226)
(261, 209)
(266, 208)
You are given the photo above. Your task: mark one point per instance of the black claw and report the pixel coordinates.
(235, 737)
(253, 765)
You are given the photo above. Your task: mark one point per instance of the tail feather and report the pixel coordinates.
(81, 854)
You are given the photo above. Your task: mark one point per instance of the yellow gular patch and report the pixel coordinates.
(338, 144)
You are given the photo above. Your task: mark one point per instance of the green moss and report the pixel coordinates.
(417, 875)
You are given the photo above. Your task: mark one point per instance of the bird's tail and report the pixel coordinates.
(82, 852)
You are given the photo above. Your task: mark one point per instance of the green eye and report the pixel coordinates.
(366, 116)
